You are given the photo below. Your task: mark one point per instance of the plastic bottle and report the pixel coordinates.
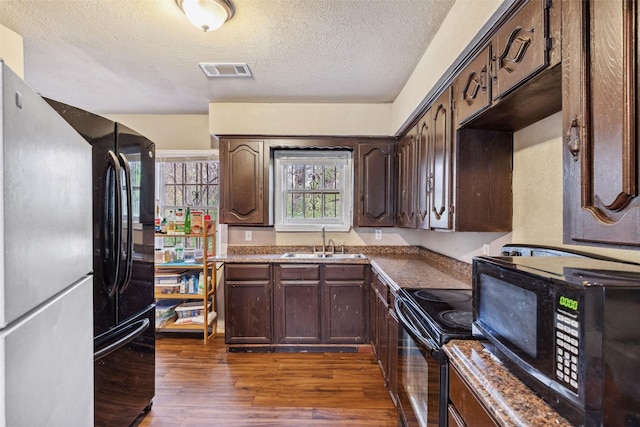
(180, 221)
(158, 220)
(171, 226)
(179, 252)
(187, 222)
(164, 226)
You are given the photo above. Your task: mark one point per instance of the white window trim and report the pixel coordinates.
(284, 157)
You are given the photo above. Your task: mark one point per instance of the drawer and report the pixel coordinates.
(468, 407)
(298, 272)
(344, 272)
(247, 272)
(520, 48)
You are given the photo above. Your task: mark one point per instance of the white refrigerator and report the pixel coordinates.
(46, 292)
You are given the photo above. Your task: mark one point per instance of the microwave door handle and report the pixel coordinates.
(426, 342)
(112, 234)
(127, 266)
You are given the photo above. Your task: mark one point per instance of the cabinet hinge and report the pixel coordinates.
(451, 209)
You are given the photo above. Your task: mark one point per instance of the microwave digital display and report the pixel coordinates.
(510, 311)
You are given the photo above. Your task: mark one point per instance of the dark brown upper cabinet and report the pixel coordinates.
(244, 197)
(520, 47)
(464, 176)
(600, 118)
(406, 188)
(472, 88)
(424, 154)
(441, 162)
(375, 184)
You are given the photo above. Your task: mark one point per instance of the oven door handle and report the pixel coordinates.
(426, 342)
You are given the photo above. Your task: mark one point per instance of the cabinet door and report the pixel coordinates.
(406, 208)
(247, 304)
(441, 162)
(600, 116)
(392, 365)
(345, 309)
(242, 171)
(472, 88)
(383, 339)
(424, 173)
(297, 304)
(520, 47)
(345, 304)
(375, 182)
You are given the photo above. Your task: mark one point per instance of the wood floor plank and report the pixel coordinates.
(203, 385)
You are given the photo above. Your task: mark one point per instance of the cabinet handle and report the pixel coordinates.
(573, 139)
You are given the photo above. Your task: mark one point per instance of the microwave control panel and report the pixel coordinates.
(567, 331)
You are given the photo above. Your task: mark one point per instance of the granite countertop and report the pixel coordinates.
(414, 271)
(413, 268)
(269, 258)
(506, 398)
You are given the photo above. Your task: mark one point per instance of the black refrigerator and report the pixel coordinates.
(123, 262)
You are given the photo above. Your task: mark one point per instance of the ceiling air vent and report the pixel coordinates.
(225, 70)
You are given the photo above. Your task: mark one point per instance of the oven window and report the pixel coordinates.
(510, 311)
(418, 384)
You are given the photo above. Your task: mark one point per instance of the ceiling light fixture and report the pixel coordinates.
(207, 15)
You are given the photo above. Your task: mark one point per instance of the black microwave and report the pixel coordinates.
(569, 328)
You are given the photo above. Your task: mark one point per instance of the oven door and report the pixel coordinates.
(422, 370)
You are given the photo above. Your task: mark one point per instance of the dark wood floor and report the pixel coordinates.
(203, 385)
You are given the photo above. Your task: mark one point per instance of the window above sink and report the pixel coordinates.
(313, 188)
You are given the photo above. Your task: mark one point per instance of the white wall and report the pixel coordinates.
(463, 22)
(11, 50)
(300, 119)
(170, 131)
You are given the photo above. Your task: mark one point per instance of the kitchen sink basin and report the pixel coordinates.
(310, 255)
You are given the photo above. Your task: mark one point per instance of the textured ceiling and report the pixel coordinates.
(141, 56)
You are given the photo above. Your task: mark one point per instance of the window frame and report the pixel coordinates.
(343, 158)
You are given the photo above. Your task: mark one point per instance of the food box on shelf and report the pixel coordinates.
(169, 278)
(191, 309)
(167, 289)
(166, 312)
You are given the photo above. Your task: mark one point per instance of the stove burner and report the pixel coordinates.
(446, 296)
(456, 318)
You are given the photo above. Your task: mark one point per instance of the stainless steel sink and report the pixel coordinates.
(310, 255)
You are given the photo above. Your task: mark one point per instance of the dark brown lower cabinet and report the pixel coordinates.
(392, 370)
(464, 408)
(384, 332)
(345, 304)
(247, 303)
(297, 306)
(312, 304)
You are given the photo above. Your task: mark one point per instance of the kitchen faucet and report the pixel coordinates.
(324, 246)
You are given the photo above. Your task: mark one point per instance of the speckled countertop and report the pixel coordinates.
(403, 267)
(505, 397)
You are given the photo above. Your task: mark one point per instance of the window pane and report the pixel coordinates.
(212, 174)
(170, 195)
(192, 195)
(170, 172)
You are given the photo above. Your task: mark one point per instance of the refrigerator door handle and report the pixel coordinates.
(112, 237)
(127, 266)
(125, 336)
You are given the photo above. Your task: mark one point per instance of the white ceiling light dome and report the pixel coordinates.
(207, 15)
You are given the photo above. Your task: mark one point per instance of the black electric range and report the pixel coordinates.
(444, 314)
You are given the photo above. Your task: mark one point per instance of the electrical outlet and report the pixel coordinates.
(485, 249)
(378, 234)
(248, 235)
